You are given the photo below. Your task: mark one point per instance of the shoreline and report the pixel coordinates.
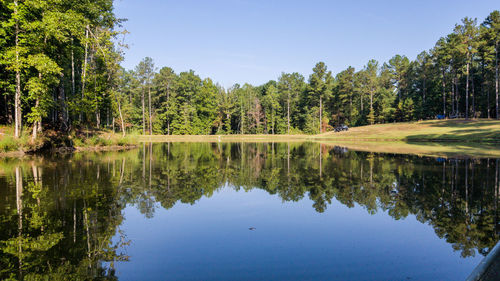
(67, 150)
(448, 149)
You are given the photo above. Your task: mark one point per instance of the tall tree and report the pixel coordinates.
(290, 86)
(467, 33)
(320, 88)
(398, 66)
(492, 23)
(145, 72)
(371, 85)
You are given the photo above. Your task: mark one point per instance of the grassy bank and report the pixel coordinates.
(76, 139)
(98, 139)
(458, 131)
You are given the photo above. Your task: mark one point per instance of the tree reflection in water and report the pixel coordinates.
(60, 217)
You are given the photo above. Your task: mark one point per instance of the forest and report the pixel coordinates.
(60, 68)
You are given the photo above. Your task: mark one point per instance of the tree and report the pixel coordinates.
(344, 95)
(442, 57)
(467, 33)
(145, 73)
(492, 23)
(320, 88)
(290, 85)
(166, 88)
(371, 85)
(15, 56)
(270, 102)
(398, 67)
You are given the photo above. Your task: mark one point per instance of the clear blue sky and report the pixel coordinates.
(254, 40)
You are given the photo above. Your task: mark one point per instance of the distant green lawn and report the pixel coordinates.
(457, 130)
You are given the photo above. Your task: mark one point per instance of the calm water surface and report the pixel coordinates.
(212, 211)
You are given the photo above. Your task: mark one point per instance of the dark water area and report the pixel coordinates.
(245, 211)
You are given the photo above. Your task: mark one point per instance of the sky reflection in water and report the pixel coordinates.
(183, 212)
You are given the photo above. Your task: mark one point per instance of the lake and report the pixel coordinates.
(245, 211)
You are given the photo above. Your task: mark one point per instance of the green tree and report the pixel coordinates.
(467, 35)
(290, 86)
(320, 89)
(492, 25)
(145, 73)
(270, 102)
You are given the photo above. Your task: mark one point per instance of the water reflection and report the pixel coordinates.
(60, 217)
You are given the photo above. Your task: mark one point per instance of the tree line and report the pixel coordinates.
(60, 64)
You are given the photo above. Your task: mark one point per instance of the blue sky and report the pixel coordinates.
(254, 41)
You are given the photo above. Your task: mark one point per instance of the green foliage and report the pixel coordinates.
(8, 143)
(68, 58)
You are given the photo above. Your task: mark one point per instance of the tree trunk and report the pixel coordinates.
(467, 89)
(361, 98)
(372, 114)
(288, 113)
(371, 101)
(424, 91)
(453, 109)
(63, 103)
(35, 123)
(84, 68)
(473, 97)
(17, 97)
(98, 118)
(350, 108)
(143, 114)
(150, 121)
(496, 79)
(483, 87)
(73, 90)
(272, 120)
(121, 117)
(443, 83)
(320, 114)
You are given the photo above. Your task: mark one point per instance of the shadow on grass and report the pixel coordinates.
(462, 123)
(472, 135)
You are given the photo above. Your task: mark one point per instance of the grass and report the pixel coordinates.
(80, 139)
(101, 138)
(458, 131)
(10, 144)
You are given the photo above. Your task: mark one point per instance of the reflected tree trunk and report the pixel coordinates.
(320, 161)
(74, 221)
(467, 188)
(19, 205)
(122, 170)
(143, 161)
(150, 162)
(288, 161)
